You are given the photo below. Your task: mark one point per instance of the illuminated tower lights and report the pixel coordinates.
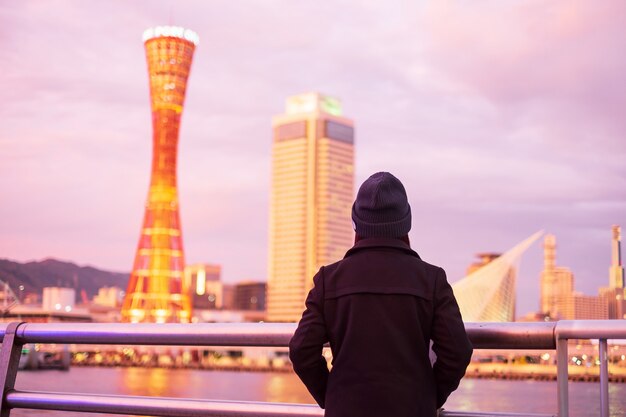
(157, 289)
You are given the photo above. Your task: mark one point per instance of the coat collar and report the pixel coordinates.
(381, 242)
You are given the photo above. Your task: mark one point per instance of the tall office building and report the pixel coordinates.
(616, 270)
(615, 294)
(311, 197)
(556, 281)
(157, 290)
(578, 306)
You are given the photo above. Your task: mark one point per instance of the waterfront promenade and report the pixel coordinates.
(490, 370)
(516, 364)
(539, 372)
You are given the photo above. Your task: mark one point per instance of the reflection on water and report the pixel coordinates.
(139, 382)
(472, 395)
(286, 388)
(465, 403)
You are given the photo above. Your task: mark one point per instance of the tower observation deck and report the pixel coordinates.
(157, 291)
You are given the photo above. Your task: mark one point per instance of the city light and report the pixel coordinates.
(201, 282)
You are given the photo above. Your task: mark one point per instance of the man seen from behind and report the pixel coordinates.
(379, 308)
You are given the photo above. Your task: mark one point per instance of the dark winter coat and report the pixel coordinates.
(379, 308)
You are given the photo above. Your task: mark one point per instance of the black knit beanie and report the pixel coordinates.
(381, 208)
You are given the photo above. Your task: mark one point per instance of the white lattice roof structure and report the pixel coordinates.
(488, 294)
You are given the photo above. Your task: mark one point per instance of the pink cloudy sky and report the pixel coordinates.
(502, 118)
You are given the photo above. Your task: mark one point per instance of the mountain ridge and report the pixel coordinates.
(51, 272)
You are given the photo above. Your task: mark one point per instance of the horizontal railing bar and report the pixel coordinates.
(536, 335)
(446, 413)
(155, 406)
(176, 407)
(482, 335)
(197, 334)
(590, 329)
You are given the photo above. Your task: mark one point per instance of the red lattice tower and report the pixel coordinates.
(157, 289)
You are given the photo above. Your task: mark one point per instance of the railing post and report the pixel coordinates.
(9, 361)
(562, 376)
(604, 379)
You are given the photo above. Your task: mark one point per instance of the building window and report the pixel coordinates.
(338, 131)
(290, 131)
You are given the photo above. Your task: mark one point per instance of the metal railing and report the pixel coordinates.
(552, 335)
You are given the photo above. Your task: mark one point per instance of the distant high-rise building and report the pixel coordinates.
(228, 291)
(250, 295)
(616, 270)
(311, 197)
(156, 290)
(581, 307)
(207, 290)
(615, 293)
(556, 281)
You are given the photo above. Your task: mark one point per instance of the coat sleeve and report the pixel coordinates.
(305, 347)
(450, 342)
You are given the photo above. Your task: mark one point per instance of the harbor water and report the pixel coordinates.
(472, 395)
